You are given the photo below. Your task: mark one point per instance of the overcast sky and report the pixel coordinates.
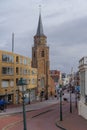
(64, 23)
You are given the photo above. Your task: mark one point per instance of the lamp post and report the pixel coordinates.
(29, 96)
(46, 95)
(75, 99)
(61, 118)
(71, 84)
(6, 100)
(22, 87)
(70, 100)
(17, 96)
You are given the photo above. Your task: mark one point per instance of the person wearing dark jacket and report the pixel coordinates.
(2, 104)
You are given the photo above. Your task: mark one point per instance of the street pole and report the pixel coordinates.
(46, 96)
(61, 105)
(24, 113)
(22, 87)
(6, 98)
(70, 100)
(29, 97)
(71, 90)
(17, 96)
(75, 99)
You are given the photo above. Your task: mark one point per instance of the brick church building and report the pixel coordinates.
(40, 60)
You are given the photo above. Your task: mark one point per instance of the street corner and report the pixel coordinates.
(60, 125)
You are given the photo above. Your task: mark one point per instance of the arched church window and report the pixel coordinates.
(34, 54)
(42, 54)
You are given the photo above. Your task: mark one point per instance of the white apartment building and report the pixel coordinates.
(82, 105)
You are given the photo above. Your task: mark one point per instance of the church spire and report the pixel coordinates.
(40, 26)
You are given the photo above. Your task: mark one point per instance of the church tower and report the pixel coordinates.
(40, 58)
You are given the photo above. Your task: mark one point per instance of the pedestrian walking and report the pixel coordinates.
(2, 104)
(41, 95)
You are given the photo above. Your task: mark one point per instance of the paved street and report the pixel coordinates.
(12, 121)
(41, 119)
(43, 116)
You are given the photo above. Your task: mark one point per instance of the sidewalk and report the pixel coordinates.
(30, 107)
(72, 121)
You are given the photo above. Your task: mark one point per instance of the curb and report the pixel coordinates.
(62, 128)
(18, 112)
(10, 114)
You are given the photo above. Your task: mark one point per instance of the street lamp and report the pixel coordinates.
(70, 100)
(75, 98)
(29, 96)
(47, 72)
(60, 91)
(6, 100)
(17, 96)
(22, 87)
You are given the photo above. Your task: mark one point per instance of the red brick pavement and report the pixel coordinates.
(6, 120)
(30, 124)
(72, 121)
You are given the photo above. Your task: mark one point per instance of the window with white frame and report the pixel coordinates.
(33, 81)
(7, 58)
(25, 71)
(11, 83)
(7, 70)
(5, 83)
(29, 62)
(25, 61)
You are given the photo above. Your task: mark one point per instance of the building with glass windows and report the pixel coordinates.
(12, 68)
(82, 105)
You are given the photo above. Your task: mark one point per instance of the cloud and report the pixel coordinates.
(64, 24)
(70, 44)
(70, 33)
